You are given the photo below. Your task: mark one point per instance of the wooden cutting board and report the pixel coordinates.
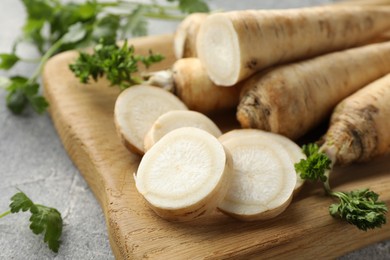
(83, 117)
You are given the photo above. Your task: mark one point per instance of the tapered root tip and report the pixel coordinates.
(219, 51)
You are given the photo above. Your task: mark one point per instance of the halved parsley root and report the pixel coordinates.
(186, 34)
(234, 45)
(176, 119)
(189, 81)
(263, 180)
(359, 131)
(293, 150)
(292, 99)
(137, 108)
(185, 175)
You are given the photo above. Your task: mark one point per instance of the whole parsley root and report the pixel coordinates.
(234, 45)
(359, 131)
(294, 98)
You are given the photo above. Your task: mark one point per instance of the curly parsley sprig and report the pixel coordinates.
(115, 62)
(360, 208)
(43, 219)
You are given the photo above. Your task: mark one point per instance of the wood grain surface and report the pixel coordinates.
(83, 117)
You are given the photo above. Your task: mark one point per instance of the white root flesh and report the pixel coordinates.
(137, 108)
(172, 120)
(263, 180)
(293, 149)
(185, 175)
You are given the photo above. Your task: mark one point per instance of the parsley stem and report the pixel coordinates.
(326, 183)
(158, 6)
(5, 213)
(50, 52)
(163, 16)
(36, 60)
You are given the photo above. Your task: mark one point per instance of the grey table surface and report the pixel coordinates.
(33, 159)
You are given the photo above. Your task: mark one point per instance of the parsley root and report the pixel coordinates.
(234, 45)
(292, 99)
(185, 175)
(263, 179)
(294, 151)
(137, 108)
(174, 119)
(189, 81)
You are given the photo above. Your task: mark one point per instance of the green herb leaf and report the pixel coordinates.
(20, 202)
(315, 165)
(43, 219)
(136, 24)
(360, 208)
(116, 63)
(22, 92)
(106, 29)
(7, 61)
(192, 6)
(38, 13)
(76, 33)
(48, 221)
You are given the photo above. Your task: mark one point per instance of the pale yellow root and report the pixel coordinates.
(360, 125)
(189, 81)
(234, 45)
(291, 100)
(185, 36)
(198, 92)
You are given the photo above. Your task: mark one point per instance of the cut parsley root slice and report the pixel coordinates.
(293, 150)
(136, 109)
(185, 175)
(176, 119)
(263, 179)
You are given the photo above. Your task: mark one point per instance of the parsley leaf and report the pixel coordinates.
(360, 208)
(7, 61)
(192, 6)
(136, 24)
(21, 92)
(43, 219)
(315, 165)
(114, 62)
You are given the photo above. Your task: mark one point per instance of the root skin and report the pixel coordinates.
(234, 45)
(360, 126)
(293, 99)
(198, 92)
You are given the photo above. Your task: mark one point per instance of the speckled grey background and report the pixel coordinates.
(32, 159)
